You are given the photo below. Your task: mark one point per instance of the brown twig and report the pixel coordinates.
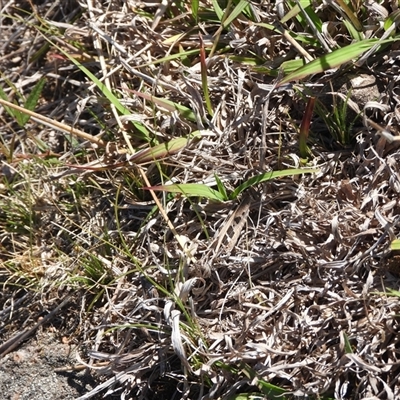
(54, 124)
(16, 340)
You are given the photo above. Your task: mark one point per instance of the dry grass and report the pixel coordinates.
(278, 291)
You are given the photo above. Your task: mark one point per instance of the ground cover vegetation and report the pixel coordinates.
(203, 196)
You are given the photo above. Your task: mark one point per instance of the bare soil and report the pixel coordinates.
(35, 371)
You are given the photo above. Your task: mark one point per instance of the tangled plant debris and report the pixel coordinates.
(174, 209)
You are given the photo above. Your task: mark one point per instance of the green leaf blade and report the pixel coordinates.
(221, 187)
(106, 92)
(267, 176)
(333, 60)
(32, 100)
(395, 245)
(195, 9)
(236, 12)
(190, 190)
(159, 152)
(218, 10)
(169, 105)
(4, 96)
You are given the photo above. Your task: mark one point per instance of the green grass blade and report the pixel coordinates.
(190, 190)
(388, 292)
(354, 33)
(308, 18)
(392, 19)
(103, 88)
(267, 176)
(110, 96)
(106, 92)
(21, 117)
(347, 344)
(272, 392)
(225, 18)
(171, 57)
(250, 396)
(204, 80)
(350, 15)
(395, 245)
(252, 61)
(159, 151)
(218, 10)
(10, 111)
(221, 187)
(295, 10)
(311, 15)
(287, 67)
(298, 37)
(235, 13)
(195, 9)
(333, 60)
(32, 101)
(169, 105)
